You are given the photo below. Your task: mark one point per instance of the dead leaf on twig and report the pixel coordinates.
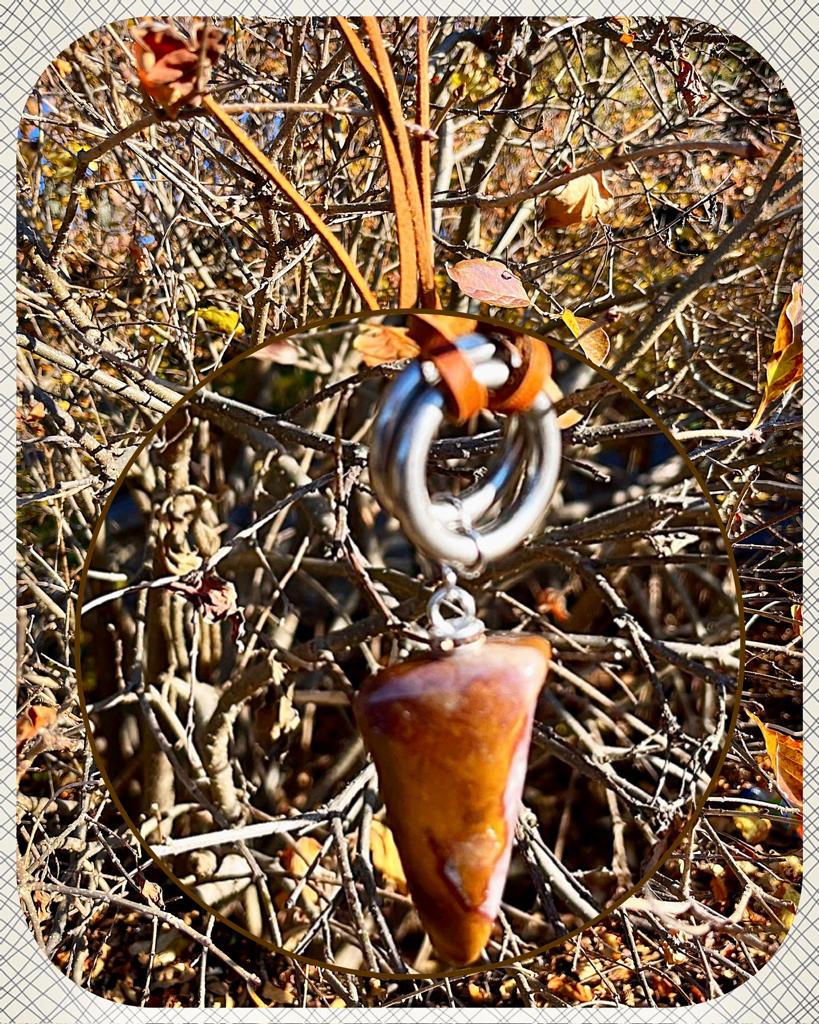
(489, 281)
(379, 343)
(784, 368)
(173, 71)
(592, 338)
(785, 752)
(579, 200)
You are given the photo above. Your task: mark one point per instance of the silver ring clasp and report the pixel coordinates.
(518, 484)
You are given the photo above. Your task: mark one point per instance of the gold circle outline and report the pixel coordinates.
(472, 969)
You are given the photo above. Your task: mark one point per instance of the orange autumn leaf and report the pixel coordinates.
(569, 989)
(785, 752)
(378, 344)
(489, 281)
(33, 720)
(580, 200)
(796, 613)
(592, 339)
(385, 856)
(784, 368)
(173, 71)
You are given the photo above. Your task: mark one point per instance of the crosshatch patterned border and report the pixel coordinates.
(32, 991)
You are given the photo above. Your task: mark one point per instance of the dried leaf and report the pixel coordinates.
(385, 856)
(298, 860)
(168, 64)
(690, 85)
(785, 752)
(211, 595)
(593, 339)
(489, 281)
(33, 720)
(580, 200)
(751, 825)
(553, 602)
(796, 612)
(785, 365)
(569, 989)
(225, 321)
(571, 416)
(378, 344)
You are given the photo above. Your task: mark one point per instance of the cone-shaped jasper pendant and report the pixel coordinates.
(450, 735)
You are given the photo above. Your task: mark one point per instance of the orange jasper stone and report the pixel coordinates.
(450, 735)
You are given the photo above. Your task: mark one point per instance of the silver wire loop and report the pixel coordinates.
(460, 628)
(518, 483)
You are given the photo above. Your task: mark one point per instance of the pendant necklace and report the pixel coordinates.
(449, 730)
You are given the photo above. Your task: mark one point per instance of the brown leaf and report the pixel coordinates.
(553, 602)
(785, 752)
(298, 860)
(784, 368)
(580, 200)
(385, 856)
(690, 85)
(489, 281)
(568, 418)
(796, 612)
(593, 339)
(168, 64)
(378, 344)
(214, 597)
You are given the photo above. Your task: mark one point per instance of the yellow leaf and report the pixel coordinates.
(593, 339)
(785, 752)
(226, 321)
(385, 856)
(784, 368)
(581, 199)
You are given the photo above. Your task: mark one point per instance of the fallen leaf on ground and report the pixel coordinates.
(569, 989)
(579, 200)
(491, 282)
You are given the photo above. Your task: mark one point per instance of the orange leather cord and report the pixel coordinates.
(404, 227)
(526, 380)
(464, 395)
(344, 260)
